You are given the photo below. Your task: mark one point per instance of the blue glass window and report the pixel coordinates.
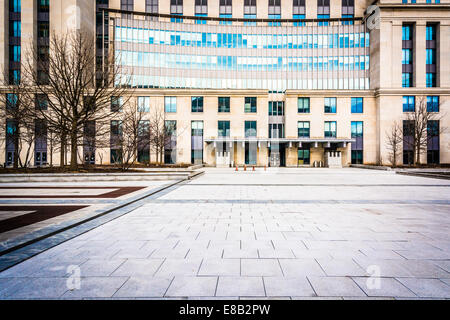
(223, 128)
(250, 128)
(330, 129)
(170, 104)
(15, 28)
(430, 79)
(250, 16)
(250, 105)
(330, 105)
(407, 32)
(406, 56)
(143, 104)
(200, 15)
(431, 56)
(406, 80)
(178, 20)
(323, 16)
(274, 16)
(225, 16)
(197, 104)
(303, 105)
(347, 16)
(15, 5)
(299, 16)
(431, 32)
(409, 103)
(433, 103)
(357, 105)
(303, 129)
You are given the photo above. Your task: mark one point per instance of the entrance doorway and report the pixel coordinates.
(250, 153)
(277, 155)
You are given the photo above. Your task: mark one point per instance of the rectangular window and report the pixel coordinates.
(303, 129)
(41, 102)
(151, 6)
(303, 156)
(348, 10)
(330, 105)
(299, 12)
(407, 55)
(357, 146)
(408, 142)
(276, 108)
(433, 142)
(409, 103)
(433, 103)
(11, 100)
(225, 11)
(276, 130)
(127, 5)
(357, 105)
(170, 104)
(330, 129)
(250, 11)
(197, 142)
(15, 28)
(431, 55)
(249, 16)
(323, 11)
(116, 156)
(299, 23)
(250, 105)
(176, 8)
(143, 104)
(170, 147)
(116, 127)
(116, 104)
(250, 129)
(430, 79)
(197, 104)
(224, 128)
(224, 104)
(14, 6)
(303, 105)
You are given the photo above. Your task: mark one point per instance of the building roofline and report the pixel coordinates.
(161, 15)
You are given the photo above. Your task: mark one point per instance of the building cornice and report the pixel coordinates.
(411, 91)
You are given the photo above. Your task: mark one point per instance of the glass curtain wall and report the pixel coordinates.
(163, 54)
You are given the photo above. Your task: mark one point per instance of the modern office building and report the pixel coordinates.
(261, 82)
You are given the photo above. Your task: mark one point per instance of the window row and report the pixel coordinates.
(238, 40)
(239, 63)
(303, 105)
(432, 103)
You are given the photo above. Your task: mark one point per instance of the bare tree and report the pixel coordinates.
(393, 142)
(163, 133)
(158, 133)
(131, 136)
(70, 80)
(18, 117)
(414, 135)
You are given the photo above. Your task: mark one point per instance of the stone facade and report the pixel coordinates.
(382, 100)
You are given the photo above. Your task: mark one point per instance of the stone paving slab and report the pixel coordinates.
(279, 234)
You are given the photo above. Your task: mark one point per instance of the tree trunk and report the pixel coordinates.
(62, 151)
(16, 150)
(51, 152)
(73, 151)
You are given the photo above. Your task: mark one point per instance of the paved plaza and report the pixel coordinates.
(278, 234)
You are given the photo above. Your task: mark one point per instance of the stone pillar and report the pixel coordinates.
(311, 9)
(419, 54)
